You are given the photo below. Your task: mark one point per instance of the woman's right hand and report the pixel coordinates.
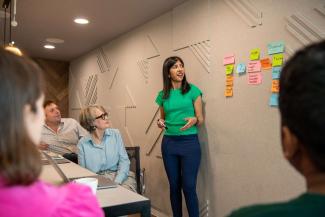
(161, 123)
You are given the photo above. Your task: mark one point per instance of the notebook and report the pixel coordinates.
(103, 182)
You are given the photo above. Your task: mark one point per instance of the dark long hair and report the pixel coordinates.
(168, 63)
(302, 100)
(20, 85)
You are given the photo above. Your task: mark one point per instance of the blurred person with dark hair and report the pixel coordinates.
(21, 191)
(302, 109)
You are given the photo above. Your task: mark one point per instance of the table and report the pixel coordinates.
(114, 201)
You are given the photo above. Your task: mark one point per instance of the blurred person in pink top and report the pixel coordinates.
(22, 118)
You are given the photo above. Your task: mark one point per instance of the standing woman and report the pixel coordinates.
(180, 105)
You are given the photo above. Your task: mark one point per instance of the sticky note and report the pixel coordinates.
(255, 54)
(275, 86)
(229, 83)
(276, 72)
(229, 69)
(241, 68)
(229, 78)
(274, 99)
(275, 47)
(254, 66)
(229, 59)
(228, 92)
(254, 78)
(266, 63)
(277, 60)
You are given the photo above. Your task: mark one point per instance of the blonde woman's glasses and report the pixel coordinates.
(103, 116)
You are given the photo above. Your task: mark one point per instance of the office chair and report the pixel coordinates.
(134, 156)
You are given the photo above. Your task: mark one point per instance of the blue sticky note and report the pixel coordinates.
(241, 68)
(276, 72)
(275, 47)
(274, 100)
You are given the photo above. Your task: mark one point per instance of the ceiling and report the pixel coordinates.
(41, 19)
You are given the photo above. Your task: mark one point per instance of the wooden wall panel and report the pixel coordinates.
(56, 75)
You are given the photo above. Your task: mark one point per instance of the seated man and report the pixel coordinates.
(60, 135)
(302, 109)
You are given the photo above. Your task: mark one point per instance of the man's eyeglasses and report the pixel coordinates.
(103, 116)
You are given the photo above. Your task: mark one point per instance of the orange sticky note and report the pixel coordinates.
(228, 91)
(229, 78)
(229, 83)
(275, 86)
(266, 63)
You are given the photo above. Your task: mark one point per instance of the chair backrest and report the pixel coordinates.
(134, 156)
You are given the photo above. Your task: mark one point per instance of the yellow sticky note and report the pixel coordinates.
(277, 59)
(229, 69)
(228, 91)
(255, 54)
(275, 86)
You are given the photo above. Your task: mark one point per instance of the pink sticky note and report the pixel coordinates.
(254, 66)
(229, 59)
(254, 78)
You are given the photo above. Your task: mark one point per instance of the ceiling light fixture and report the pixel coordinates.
(10, 46)
(81, 21)
(54, 40)
(49, 46)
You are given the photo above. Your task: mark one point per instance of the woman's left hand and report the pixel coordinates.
(190, 122)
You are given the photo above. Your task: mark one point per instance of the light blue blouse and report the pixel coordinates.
(110, 154)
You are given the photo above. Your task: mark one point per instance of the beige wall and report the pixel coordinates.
(242, 161)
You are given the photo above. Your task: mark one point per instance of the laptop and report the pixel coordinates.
(103, 182)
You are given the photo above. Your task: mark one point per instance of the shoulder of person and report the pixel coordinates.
(160, 93)
(193, 86)
(70, 120)
(261, 210)
(84, 139)
(112, 131)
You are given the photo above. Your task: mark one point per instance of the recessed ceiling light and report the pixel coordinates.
(81, 21)
(55, 40)
(49, 46)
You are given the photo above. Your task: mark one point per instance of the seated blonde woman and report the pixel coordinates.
(103, 151)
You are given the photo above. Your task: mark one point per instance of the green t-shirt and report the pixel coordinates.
(177, 107)
(306, 205)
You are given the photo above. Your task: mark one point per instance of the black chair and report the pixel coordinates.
(134, 156)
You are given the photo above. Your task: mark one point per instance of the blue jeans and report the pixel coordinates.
(182, 155)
